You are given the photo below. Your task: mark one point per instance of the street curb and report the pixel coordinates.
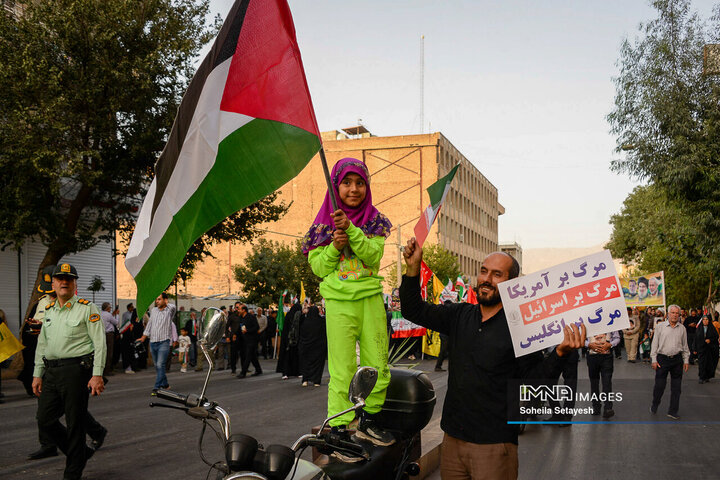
(429, 462)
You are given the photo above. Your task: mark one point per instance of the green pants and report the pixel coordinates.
(347, 322)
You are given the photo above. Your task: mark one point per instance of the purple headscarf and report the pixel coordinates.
(365, 216)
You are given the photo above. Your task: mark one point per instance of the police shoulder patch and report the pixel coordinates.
(50, 305)
(94, 317)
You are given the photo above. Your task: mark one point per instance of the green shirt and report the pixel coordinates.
(73, 330)
(350, 278)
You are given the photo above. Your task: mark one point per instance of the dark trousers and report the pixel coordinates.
(110, 342)
(442, 355)
(600, 366)
(92, 428)
(237, 350)
(251, 342)
(674, 366)
(128, 351)
(691, 346)
(570, 378)
(64, 392)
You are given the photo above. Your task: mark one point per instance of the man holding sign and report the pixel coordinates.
(479, 442)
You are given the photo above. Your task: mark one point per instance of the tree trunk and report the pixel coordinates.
(59, 247)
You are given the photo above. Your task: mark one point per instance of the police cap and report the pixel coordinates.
(45, 285)
(65, 269)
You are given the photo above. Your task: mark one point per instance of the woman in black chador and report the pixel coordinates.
(706, 344)
(313, 346)
(288, 356)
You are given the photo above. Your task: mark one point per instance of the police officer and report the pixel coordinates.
(30, 333)
(69, 362)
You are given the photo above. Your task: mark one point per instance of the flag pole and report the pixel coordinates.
(333, 200)
(331, 190)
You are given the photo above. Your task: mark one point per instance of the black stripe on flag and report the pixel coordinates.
(222, 49)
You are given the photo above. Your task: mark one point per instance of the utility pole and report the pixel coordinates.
(422, 85)
(399, 257)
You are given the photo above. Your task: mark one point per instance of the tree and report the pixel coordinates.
(88, 92)
(444, 264)
(270, 268)
(96, 284)
(667, 113)
(654, 233)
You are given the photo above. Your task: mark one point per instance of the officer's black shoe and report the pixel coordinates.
(43, 453)
(98, 442)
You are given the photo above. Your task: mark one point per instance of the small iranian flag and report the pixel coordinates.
(437, 191)
(245, 127)
(460, 288)
(124, 323)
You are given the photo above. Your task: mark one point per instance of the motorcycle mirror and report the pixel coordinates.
(362, 384)
(213, 327)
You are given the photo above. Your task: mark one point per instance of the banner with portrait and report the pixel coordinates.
(645, 290)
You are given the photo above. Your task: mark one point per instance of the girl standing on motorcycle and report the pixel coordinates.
(344, 248)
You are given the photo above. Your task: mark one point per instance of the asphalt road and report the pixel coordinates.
(145, 443)
(160, 443)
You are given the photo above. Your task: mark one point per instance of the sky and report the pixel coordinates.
(521, 87)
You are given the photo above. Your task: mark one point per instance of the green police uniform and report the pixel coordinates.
(69, 336)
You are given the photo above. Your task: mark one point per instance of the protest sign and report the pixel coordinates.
(645, 290)
(583, 291)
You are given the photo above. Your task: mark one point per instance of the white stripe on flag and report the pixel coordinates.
(196, 159)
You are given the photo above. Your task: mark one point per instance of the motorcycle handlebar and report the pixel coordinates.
(173, 397)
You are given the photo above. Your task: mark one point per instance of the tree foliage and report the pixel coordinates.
(444, 264)
(88, 93)
(667, 125)
(667, 113)
(654, 233)
(272, 267)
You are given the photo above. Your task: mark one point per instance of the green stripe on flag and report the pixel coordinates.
(437, 189)
(252, 162)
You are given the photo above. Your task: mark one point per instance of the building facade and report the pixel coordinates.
(19, 272)
(515, 250)
(401, 168)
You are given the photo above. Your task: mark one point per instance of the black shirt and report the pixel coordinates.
(235, 321)
(251, 324)
(482, 363)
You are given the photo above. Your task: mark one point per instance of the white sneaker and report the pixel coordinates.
(305, 384)
(183, 370)
(130, 371)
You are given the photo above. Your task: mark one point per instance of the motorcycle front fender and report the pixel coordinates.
(305, 471)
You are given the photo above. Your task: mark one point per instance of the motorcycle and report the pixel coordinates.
(407, 410)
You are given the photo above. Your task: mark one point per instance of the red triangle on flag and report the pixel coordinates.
(266, 78)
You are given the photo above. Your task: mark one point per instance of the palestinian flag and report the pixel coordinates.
(437, 191)
(245, 127)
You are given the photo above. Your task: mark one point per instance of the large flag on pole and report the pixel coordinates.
(437, 191)
(245, 127)
(280, 320)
